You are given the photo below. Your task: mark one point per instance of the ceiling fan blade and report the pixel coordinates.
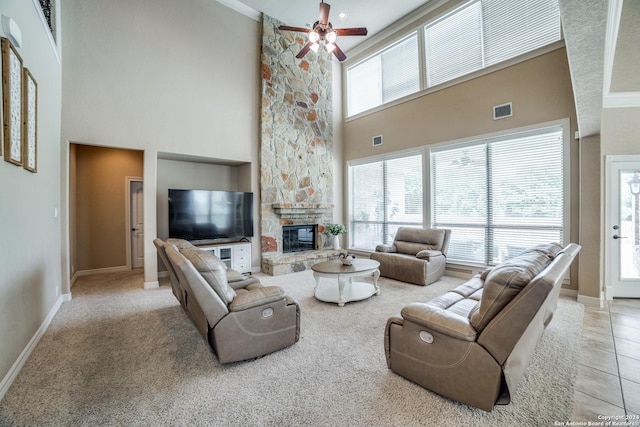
(324, 14)
(297, 29)
(360, 31)
(339, 53)
(304, 50)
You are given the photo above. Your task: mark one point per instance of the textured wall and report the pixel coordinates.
(296, 152)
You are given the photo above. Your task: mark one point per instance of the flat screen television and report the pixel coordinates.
(206, 216)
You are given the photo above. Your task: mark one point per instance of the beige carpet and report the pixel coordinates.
(119, 355)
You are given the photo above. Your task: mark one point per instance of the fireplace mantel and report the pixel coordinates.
(301, 210)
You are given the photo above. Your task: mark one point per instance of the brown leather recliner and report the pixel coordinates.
(474, 343)
(240, 320)
(417, 255)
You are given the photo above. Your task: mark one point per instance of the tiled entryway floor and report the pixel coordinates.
(608, 381)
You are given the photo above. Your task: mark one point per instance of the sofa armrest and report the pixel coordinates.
(256, 297)
(440, 320)
(386, 248)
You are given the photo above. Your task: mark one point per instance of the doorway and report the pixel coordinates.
(622, 232)
(135, 223)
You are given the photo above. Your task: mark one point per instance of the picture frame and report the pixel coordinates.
(29, 122)
(12, 102)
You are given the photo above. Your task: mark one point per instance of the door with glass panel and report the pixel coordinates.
(623, 227)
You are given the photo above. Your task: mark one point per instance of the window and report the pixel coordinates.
(476, 35)
(47, 9)
(454, 45)
(500, 196)
(384, 194)
(385, 77)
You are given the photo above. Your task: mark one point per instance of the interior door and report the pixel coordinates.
(623, 227)
(137, 225)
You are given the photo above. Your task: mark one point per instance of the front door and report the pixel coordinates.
(137, 225)
(623, 227)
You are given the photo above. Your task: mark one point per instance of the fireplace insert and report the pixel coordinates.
(298, 238)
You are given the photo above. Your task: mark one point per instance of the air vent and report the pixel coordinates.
(377, 140)
(502, 111)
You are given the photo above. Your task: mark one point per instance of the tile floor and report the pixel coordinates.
(608, 381)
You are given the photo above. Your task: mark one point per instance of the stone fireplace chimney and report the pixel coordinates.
(296, 152)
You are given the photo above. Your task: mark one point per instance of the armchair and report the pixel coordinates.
(417, 255)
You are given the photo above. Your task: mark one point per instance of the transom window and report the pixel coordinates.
(476, 35)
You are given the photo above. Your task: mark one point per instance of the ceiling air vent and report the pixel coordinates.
(502, 111)
(377, 140)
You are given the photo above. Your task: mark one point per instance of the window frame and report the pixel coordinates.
(428, 190)
(422, 151)
(416, 24)
(564, 124)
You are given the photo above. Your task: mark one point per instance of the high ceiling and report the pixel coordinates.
(373, 14)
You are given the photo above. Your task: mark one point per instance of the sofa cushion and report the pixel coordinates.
(234, 275)
(386, 248)
(413, 240)
(180, 243)
(506, 280)
(426, 254)
(213, 270)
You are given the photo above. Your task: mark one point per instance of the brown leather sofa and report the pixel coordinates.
(238, 316)
(417, 255)
(474, 343)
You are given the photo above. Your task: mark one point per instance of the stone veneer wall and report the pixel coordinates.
(296, 153)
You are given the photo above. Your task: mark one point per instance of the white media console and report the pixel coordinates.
(234, 255)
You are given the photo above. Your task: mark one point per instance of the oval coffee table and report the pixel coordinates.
(346, 289)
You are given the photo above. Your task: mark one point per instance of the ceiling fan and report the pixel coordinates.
(322, 30)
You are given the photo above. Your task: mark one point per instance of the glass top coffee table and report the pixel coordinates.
(346, 289)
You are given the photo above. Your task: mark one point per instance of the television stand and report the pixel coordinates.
(236, 255)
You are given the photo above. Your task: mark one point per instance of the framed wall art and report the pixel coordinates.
(29, 121)
(12, 102)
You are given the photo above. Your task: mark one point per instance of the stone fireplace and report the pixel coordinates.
(296, 150)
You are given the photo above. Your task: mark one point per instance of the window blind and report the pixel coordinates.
(500, 196)
(384, 194)
(389, 75)
(364, 86)
(454, 44)
(513, 28)
(400, 70)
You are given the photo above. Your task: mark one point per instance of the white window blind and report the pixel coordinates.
(513, 28)
(454, 44)
(400, 70)
(364, 86)
(389, 75)
(385, 194)
(500, 196)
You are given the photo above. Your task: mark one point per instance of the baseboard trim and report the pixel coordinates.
(569, 293)
(80, 273)
(22, 359)
(151, 285)
(591, 301)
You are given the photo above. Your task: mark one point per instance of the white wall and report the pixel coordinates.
(30, 278)
(161, 77)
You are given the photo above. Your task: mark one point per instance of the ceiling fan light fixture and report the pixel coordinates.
(331, 36)
(330, 47)
(314, 47)
(314, 36)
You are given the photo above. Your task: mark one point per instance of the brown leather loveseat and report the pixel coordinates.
(474, 343)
